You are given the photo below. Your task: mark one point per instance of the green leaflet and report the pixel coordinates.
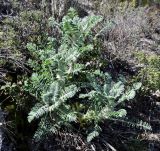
(92, 135)
(117, 89)
(137, 86)
(69, 92)
(130, 94)
(37, 111)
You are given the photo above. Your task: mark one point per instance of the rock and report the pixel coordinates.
(5, 143)
(1, 132)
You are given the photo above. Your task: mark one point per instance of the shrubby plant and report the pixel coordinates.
(150, 73)
(68, 91)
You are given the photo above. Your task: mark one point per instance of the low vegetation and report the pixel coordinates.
(77, 80)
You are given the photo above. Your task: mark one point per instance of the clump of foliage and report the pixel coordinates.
(21, 22)
(68, 90)
(104, 98)
(17, 28)
(150, 73)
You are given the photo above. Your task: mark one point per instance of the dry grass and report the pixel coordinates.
(132, 31)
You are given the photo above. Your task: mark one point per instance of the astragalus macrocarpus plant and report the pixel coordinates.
(105, 100)
(53, 82)
(63, 74)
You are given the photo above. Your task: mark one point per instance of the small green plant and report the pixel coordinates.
(150, 73)
(61, 76)
(104, 98)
